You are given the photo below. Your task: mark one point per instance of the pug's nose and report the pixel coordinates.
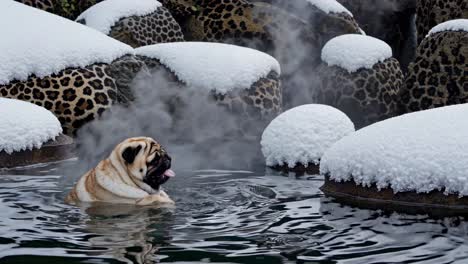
(167, 161)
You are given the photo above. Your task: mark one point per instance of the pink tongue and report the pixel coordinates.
(169, 173)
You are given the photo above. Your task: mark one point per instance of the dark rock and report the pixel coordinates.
(391, 21)
(61, 148)
(299, 169)
(433, 203)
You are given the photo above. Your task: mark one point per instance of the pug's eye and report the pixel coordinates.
(157, 156)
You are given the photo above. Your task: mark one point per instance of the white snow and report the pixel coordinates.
(105, 14)
(421, 151)
(24, 126)
(40, 43)
(213, 66)
(302, 134)
(452, 25)
(354, 51)
(330, 6)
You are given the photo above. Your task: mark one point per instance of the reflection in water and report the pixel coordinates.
(132, 234)
(220, 216)
(373, 235)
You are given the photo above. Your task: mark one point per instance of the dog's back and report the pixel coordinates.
(72, 197)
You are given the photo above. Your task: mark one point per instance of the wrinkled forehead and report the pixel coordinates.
(152, 146)
(147, 144)
(155, 146)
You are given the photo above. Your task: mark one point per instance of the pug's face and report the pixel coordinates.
(145, 161)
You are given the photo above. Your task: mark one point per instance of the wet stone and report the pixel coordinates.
(61, 148)
(434, 203)
(299, 169)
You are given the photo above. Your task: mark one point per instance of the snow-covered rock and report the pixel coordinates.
(353, 52)
(330, 6)
(302, 134)
(452, 25)
(40, 43)
(105, 14)
(422, 151)
(24, 126)
(212, 66)
(437, 75)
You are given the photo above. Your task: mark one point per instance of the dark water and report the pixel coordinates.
(222, 217)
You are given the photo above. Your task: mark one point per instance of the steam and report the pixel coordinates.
(199, 134)
(196, 132)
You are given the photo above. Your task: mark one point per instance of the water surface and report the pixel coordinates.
(221, 217)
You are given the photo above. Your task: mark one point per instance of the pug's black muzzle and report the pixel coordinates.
(155, 176)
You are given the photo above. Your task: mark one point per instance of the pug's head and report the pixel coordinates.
(145, 161)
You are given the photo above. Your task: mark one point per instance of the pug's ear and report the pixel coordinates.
(130, 153)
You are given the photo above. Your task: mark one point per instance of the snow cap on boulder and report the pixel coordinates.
(213, 66)
(42, 44)
(24, 126)
(354, 51)
(421, 152)
(302, 134)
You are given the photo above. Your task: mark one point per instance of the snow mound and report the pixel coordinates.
(302, 134)
(24, 126)
(354, 51)
(213, 66)
(330, 6)
(104, 15)
(41, 43)
(421, 151)
(452, 25)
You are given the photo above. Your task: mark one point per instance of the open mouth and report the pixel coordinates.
(158, 175)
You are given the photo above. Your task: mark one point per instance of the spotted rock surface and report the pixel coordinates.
(234, 20)
(70, 9)
(433, 12)
(295, 39)
(46, 5)
(439, 75)
(158, 27)
(78, 95)
(367, 95)
(218, 21)
(137, 31)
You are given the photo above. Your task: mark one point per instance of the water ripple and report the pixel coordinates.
(221, 216)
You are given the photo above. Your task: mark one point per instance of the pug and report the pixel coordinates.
(132, 174)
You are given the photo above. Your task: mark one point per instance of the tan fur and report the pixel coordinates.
(115, 181)
(71, 197)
